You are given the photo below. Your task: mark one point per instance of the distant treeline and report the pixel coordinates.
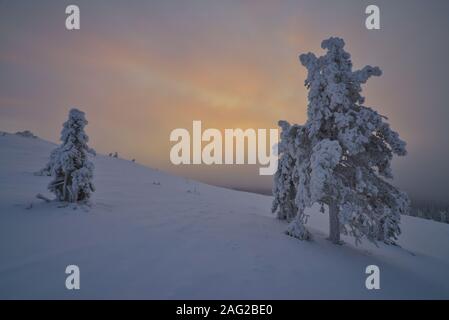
(430, 210)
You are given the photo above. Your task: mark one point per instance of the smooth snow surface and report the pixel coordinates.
(151, 235)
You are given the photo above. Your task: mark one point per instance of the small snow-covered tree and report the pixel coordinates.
(71, 169)
(341, 157)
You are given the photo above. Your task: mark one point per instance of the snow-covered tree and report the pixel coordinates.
(341, 157)
(71, 169)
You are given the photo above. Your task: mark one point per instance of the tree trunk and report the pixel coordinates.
(64, 188)
(334, 224)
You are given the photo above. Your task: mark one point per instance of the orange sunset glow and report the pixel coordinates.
(139, 71)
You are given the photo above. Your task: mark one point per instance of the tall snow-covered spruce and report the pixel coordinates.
(71, 169)
(341, 157)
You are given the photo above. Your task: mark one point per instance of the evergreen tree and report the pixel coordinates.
(71, 169)
(341, 157)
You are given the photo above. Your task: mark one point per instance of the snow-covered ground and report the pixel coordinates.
(187, 240)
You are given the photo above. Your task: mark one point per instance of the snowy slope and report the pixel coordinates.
(183, 239)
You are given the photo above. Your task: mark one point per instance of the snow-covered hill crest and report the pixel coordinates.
(153, 235)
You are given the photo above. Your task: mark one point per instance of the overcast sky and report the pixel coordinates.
(140, 69)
